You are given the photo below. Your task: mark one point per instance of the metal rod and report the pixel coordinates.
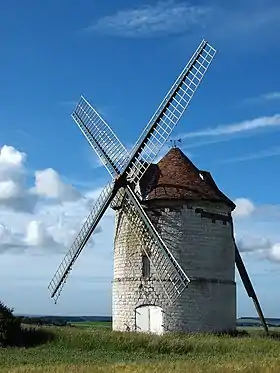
(247, 282)
(249, 287)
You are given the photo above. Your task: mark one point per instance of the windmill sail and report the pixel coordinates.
(169, 112)
(101, 137)
(172, 277)
(60, 276)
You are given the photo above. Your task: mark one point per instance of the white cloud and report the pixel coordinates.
(246, 128)
(4, 233)
(261, 246)
(261, 154)
(244, 207)
(37, 235)
(251, 23)
(48, 184)
(257, 229)
(51, 229)
(47, 215)
(274, 253)
(9, 241)
(163, 18)
(249, 243)
(9, 189)
(11, 157)
(13, 191)
(241, 127)
(16, 195)
(271, 96)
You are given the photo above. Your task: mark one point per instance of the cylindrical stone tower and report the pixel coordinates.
(193, 217)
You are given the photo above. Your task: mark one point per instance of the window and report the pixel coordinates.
(146, 266)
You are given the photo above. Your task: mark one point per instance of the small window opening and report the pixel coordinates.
(146, 266)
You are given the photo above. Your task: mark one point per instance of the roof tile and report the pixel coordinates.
(176, 177)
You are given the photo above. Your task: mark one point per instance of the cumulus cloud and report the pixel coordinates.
(12, 165)
(52, 229)
(13, 191)
(250, 243)
(9, 156)
(46, 215)
(274, 253)
(244, 207)
(257, 229)
(9, 189)
(48, 184)
(37, 235)
(261, 246)
(11, 239)
(16, 195)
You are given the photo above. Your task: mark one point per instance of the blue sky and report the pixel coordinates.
(123, 57)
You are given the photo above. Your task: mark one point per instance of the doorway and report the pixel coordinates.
(149, 319)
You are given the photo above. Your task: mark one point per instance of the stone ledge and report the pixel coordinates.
(193, 279)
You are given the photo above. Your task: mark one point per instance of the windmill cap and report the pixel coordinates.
(176, 177)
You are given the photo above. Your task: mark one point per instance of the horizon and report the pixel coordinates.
(110, 316)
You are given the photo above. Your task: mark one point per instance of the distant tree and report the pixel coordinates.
(10, 328)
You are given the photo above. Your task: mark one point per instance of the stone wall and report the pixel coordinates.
(200, 238)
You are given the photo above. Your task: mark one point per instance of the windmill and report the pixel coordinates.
(165, 276)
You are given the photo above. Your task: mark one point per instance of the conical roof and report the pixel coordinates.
(176, 177)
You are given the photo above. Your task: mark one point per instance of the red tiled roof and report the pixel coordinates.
(176, 177)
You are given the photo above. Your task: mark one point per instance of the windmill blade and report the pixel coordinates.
(103, 140)
(173, 278)
(60, 276)
(169, 112)
(249, 287)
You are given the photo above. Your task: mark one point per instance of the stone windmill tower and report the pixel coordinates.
(194, 219)
(174, 247)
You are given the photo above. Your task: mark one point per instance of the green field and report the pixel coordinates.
(92, 324)
(87, 349)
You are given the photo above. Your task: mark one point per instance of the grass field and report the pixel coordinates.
(88, 349)
(93, 324)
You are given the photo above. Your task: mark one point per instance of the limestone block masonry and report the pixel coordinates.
(199, 235)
